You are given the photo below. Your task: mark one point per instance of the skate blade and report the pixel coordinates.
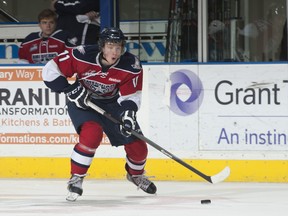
(72, 196)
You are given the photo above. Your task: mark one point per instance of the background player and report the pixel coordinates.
(112, 79)
(40, 47)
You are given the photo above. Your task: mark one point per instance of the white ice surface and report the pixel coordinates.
(25, 197)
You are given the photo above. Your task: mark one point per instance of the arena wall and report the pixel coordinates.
(209, 115)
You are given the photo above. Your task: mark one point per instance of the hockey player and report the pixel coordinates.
(111, 78)
(40, 47)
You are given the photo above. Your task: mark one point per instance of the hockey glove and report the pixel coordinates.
(128, 118)
(77, 94)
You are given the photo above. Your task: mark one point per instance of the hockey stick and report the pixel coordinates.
(221, 176)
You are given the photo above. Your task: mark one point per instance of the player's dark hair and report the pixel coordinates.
(47, 13)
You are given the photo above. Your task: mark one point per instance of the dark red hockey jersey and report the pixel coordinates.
(38, 50)
(123, 78)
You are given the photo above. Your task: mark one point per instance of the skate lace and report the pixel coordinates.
(142, 181)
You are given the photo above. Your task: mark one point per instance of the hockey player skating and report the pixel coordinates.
(111, 78)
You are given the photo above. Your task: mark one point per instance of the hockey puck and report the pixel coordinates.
(205, 201)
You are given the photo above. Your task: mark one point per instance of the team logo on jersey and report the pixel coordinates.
(137, 64)
(98, 87)
(33, 47)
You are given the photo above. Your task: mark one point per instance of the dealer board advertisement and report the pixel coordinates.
(245, 107)
(30, 112)
(192, 110)
(231, 110)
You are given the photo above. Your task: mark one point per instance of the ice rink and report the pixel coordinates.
(29, 197)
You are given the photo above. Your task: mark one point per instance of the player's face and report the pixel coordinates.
(47, 26)
(111, 52)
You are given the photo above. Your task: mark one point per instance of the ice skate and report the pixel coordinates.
(75, 187)
(142, 182)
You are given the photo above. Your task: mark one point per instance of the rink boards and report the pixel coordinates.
(210, 115)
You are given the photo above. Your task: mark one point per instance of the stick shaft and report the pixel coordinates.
(172, 156)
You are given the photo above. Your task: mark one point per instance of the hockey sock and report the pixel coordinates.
(136, 154)
(89, 139)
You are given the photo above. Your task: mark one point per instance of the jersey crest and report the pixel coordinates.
(98, 87)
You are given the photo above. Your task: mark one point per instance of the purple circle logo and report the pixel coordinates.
(185, 79)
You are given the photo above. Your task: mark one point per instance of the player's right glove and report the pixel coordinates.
(77, 94)
(128, 118)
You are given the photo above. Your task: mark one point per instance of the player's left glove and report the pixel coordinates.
(128, 118)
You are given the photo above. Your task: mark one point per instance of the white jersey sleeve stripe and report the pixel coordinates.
(51, 71)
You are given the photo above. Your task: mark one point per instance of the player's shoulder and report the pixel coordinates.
(32, 37)
(64, 37)
(60, 35)
(130, 62)
(86, 53)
